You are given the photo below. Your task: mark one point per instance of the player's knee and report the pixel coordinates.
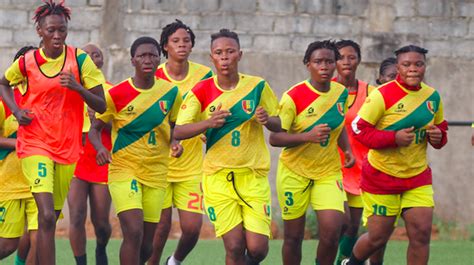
(6, 249)
(422, 235)
(191, 230)
(235, 250)
(103, 229)
(258, 253)
(294, 240)
(378, 240)
(163, 228)
(329, 239)
(47, 220)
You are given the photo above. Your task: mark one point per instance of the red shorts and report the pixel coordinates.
(87, 168)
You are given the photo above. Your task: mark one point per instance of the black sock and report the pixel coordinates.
(376, 263)
(81, 260)
(354, 261)
(101, 255)
(250, 261)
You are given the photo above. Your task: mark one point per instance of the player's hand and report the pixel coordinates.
(349, 159)
(23, 116)
(319, 133)
(218, 117)
(404, 137)
(176, 149)
(103, 156)
(203, 138)
(67, 79)
(434, 134)
(261, 115)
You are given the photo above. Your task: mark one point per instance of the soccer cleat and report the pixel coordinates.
(345, 262)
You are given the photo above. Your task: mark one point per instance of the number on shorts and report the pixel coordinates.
(152, 138)
(211, 213)
(3, 211)
(235, 138)
(196, 203)
(289, 198)
(134, 185)
(379, 210)
(42, 169)
(325, 143)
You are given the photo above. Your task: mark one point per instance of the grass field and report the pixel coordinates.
(210, 252)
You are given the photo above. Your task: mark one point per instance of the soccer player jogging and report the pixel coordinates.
(309, 171)
(184, 173)
(17, 205)
(142, 110)
(387, 71)
(358, 90)
(397, 122)
(59, 79)
(231, 109)
(90, 181)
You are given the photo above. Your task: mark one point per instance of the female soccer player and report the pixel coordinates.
(60, 78)
(358, 90)
(387, 71)
(142, 110)
(397, 122)
(17, 205)
(90, 181)
(184, 175)
(309, 171)
(230, 109)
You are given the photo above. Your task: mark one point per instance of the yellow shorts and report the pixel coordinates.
(185, 195)
(14, 214)
(354, 201)
(295, 193)
(393, 204)
(45, 175)
(244, 198)
(131, 194)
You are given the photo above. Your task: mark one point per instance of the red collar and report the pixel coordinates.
(412, 88)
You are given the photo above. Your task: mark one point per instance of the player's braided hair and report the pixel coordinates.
(22, 51)
(349, 43)
(384, 65)
(411, 48)
(225, 33)
(171, 28)
(50, 7)
(325, 44)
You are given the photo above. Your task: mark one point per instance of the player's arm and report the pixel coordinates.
(216, 120)
(343, 143)
(438, 133)
(22, 115)
(5, 142)
(93, 97)
(267, 113)
(103, 155)
(176, 148)
(317, 134)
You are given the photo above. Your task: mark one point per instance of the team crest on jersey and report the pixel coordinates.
(431, 105)
(340, 108)
(164, 106)
(248, 106)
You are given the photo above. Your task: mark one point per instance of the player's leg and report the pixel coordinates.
(161, 235)
(12, 225)
(417, 213)
(23, 248)
(131, 223)
(294, 197)
(329, 227)
(77, 202)
(377, 257)
(349, 236)
(187, 198)
(8, 246)
(152, 198)
(234, 244)
(292, 240)
(99, 198)
(127, 197)
(163, 228)
(32, 218)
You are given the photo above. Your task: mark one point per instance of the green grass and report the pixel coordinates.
(211, 252)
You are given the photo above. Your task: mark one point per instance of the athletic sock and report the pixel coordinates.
(250, 261)
(376, 263)
(173, 261)
(346, 244)
(354, 261)
(101, 255)
(19, 261)
(317, 262)
(81, 260)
